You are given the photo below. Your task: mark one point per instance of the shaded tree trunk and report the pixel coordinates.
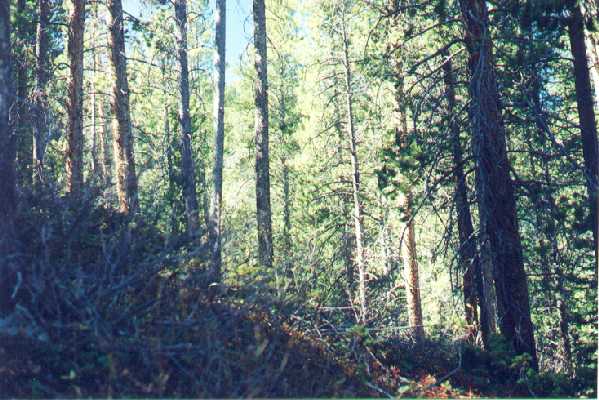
(497, 203)
(126, 178)
(187, 165)
(216, 223)
(42, 75)
(263, 209)
(473, 286)
(75, 107)
(355, 165)
(8, 154)
(22, 27)
(586, 115)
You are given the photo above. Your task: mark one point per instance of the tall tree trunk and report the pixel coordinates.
(358, 207)
(408, 248)
(98, 170)
(122, 136)
(75, 121)
(497, 203)
(42, 75)
(263, 210)
(586, 115)
(187, 165)
(22, 29)
(473, 287)
(216, 223)
(8, 154)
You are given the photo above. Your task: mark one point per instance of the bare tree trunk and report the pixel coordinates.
(126, 178)
(75, 108)
(187, 165)
(408, 248)
(98, 170)
(358, 207)
(474, 293)
(497, 203)
(586, 115)
(263, 209)
(216, 223)
(8, 154)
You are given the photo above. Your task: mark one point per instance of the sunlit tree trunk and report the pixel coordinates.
(586, 115)
(22, 30)
(408, 240)
(75, 105)
(8, 153)
(495, 192)
(263, 209)
(187, 165)
(216, 224)
(473, 287)
(126, 178)
(355, 165)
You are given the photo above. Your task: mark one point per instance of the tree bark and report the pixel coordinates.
(216, 224)
(22, 28)
(75, 105)
(497, 203)
(263, 209)
(473, 287)
(126, 178)
(355, 165)
(8, 154)
(187, 165)
(586, 115)
(408, 241)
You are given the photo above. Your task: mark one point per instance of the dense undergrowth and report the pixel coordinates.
(110, 307)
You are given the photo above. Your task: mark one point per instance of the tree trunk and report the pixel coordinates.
(122, 136)
(187, 165)
(497, 203)
(22, 27)
(216, 224)
(473, 287)
(408, 240)
(358, 207)
(98, 170)
(263, 210)
(75, 107)
(8, 153)
(586, 115)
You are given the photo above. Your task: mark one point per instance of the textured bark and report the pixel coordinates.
(263, 209)
(355, 165)
(98, 169)
(473, 287)
(126, 178)
(497, 204)
(8, 153)
(216, 224)
(586, 115)
(187, 165)
(75, 104)
(408, 241)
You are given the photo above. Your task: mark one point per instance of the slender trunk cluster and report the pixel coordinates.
(75, 106)
(263, 209)
(126, 178)
(495, 192)
(187, 165)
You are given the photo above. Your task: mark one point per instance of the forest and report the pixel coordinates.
(299, 198)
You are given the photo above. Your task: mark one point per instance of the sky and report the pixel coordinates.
(239, 27)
